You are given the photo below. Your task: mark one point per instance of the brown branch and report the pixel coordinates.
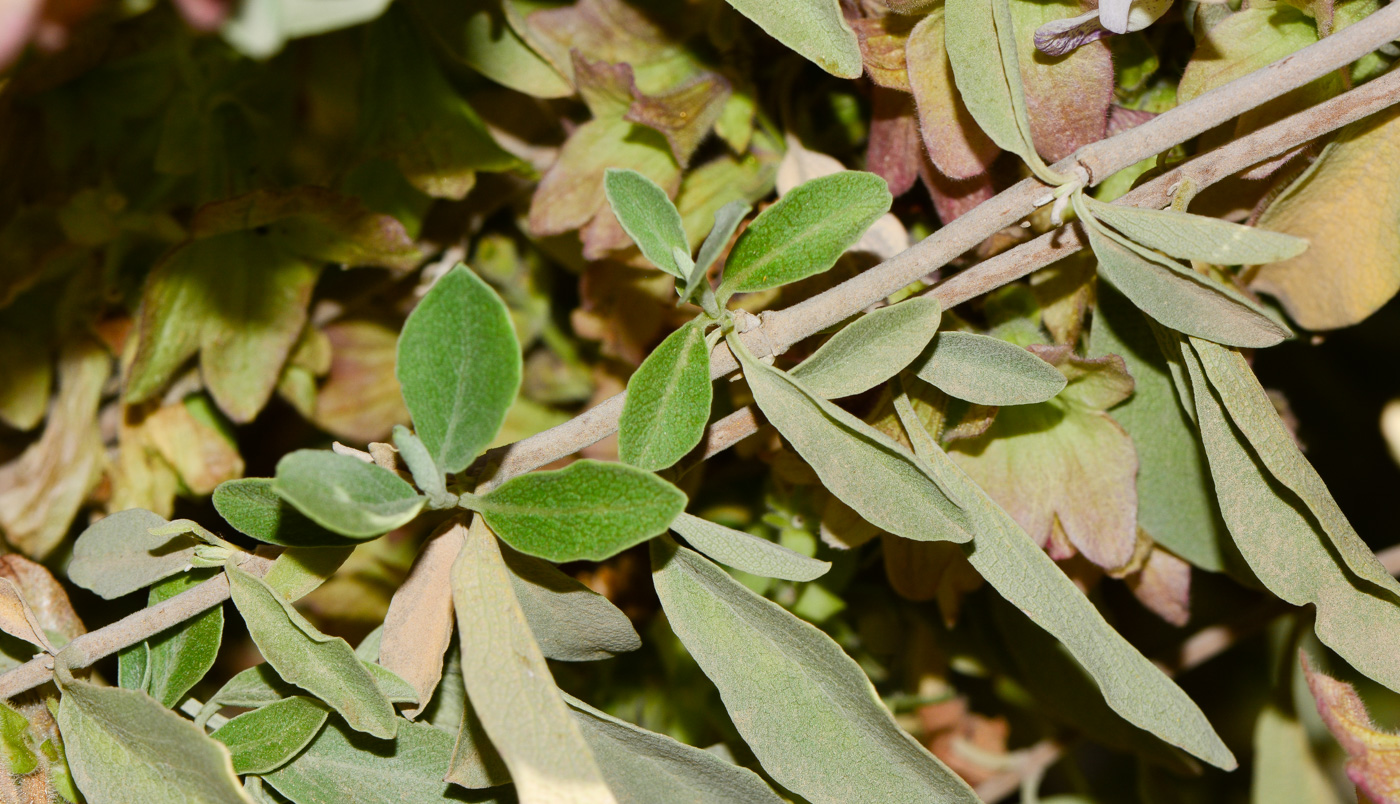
(782, 329)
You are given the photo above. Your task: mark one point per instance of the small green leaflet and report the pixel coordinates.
(805, 232)
(871, 349)
(300, 570)
(252, 507)
(814, 28)
(642, 766)
(727, 220)
(118, 554)
(459, 366)
(1196, 237)
(649, 218)
(893, 491)
(420, 464)
(344, 494)
(988, 371)
(570, 622)
(324, 666)
(668, 402)
(746, 552)
(826, 736)
(263, 740)
(516, 700)
(173, 661)
(587, 510)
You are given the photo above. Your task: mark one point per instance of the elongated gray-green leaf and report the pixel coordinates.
(804, 232)
(805, 708)
(517, 701)
(727, 220)
(323, 666)
(814, 28)
(871, 349)
(1181, 299)
(179, 657)
(252, 507)
(743, 551)
(570, 622)
(123, 746)
(668, 402)
(890, 488)
(1286, 769)
(344, 494)
(260, 685)
(982, 51)
(587, 510)
(420, 464)
(643, 767)
(263, 740)
(1027, 578)
(459, 367)
(988, 371)
(118, 554)
(1196, 237)
(649, 218)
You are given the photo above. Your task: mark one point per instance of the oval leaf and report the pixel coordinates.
(570, 622)
(668, 402)
(180, 656)
(804, 232)
(1196, 237)
(459, 366)
(118, 554)
(871, 349)
(814, 28)
(746, 552)
(344, 494)
(588, 510)
(827, 736)
(263, 740)
(986, 68)
(988, 371)
(649, 218)
(253, 508)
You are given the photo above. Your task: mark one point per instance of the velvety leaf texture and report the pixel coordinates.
(344, 494)
(263, 740)
(118, 554)
(569, 621)
(649, 218)
(746, 552)
(252, 507)
(1196, 237)
(668, 402)
(870, 349)
(813, 28)
(988, 371)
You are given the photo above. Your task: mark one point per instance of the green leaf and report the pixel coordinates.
(649, 218)
(459, 365)
(1027, 578)
(814, 28)
(805, 232)
(344, 494)
(263, 740)
(643, 766)
(122, 745)
(805, 708)
(746, 552)
(420, 464)
(118, 554)
(18, 755)
(253, 508)
(180, 656)
(727, 220)
(587, 510)
(668, 401)
(570, 622)
(893, 490)
(323, 666)
(871, 349)
(476, 33)
(301, 570)
(988, 371)
(1179, 298)
(260, 685)
(518, 704)
(1286, 769)
(1196, 237)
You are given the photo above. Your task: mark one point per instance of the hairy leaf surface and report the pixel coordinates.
(746, 552)
(668, 402)
(870, 349)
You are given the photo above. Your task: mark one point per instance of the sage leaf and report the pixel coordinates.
(420, 464)
(814, 28)
(805, 232)
(642, 766)
(122, 745)
(727, 220)
(118, 554)
(263, 740)
(260, 685)
(1286, 769)
(252, 507)
(18, 620)
(587, 510)
(301, 570)
(668, 402)
(180, 656)
(459, 367)
(1178, 298)
(475, 762)
(890, 488)
(1196, 237)
(417, 628)
(985, 370)
(746, 552)
(517, 701)
(871, 349)
(649, 218)
(825, 735)
(1027, 578)
(345, 495)
(570, 622)
(323, 666)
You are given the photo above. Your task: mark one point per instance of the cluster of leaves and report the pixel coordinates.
(229, 233)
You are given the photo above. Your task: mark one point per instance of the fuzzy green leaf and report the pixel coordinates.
(177, 658)
(346, 495)
(588, 510)
(252, 507)
(668, 402)
(1196, 237)
(870, 349)
(301, 570)
(570, 622)
(263, 740)
(727, 220)
(459, 366)
(988, 371)
(814, 28)
(260, 685)
(746, 552)
(118, 554)
(649, 218)
(420, 464)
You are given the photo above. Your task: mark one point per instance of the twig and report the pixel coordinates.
(787, 327)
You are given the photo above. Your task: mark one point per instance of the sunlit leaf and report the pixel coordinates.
(746, 552)
(175, 660)
(252, 507)
(345, 495)
(299, 571)
(668, 402)
(648, 216)
(477, 33)
(264, 739)
(1067, 97)
(870, 349)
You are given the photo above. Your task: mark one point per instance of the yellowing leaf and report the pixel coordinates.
(1373, 762)
(361, 401)
(957, 147)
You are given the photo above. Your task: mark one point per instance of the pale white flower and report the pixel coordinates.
(1112, 17)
